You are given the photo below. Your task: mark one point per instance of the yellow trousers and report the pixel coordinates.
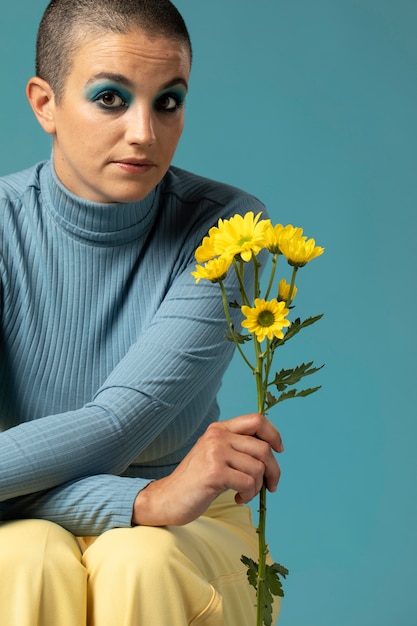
(141, 576)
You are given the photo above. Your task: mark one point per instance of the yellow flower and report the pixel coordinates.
(242, 235)
(214, 270)
(299, 250)
(266, 318)
(274, 235)
(207, 250)
(284, 291)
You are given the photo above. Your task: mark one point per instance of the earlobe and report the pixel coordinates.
(42, 100)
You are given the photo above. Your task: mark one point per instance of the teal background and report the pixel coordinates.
(311, 106)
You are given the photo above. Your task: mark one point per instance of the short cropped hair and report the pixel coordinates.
(66, 23)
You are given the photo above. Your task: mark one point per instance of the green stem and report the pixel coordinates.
(239, 274)
(262, 548)
(256, 277)
(260, 389)
(263, 551)
(292, 285)
(269, 356)
(230, 324)
(271, 278)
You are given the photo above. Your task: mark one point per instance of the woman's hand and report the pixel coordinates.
(234, 454)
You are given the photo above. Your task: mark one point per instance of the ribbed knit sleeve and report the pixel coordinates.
(112, 356)
(85, 507)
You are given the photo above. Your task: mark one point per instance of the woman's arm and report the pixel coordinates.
(85, 507)
(151, 392)
(234, 454)
(180, 353)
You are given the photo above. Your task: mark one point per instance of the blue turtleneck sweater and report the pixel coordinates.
(110, 355)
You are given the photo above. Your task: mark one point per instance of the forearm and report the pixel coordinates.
(86, 507)
(157, 381)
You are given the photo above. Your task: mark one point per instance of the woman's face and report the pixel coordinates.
(120, 118)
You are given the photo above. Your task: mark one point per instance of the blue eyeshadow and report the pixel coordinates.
(95, 91)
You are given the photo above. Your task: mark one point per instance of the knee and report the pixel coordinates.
(131, 552)
(144, 572)
(41, 545)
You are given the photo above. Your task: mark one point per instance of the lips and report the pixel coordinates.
(135, 161)
(134, 165)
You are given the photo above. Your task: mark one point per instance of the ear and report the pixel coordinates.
(42, 100)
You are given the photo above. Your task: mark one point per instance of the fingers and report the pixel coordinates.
(256, 425)
(265, 462)
(248, 480)
(249, 456)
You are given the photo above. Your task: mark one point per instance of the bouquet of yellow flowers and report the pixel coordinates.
(234, 243)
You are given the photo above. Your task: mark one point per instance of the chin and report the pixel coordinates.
(125, 196)
(133, 193)
(126, 199)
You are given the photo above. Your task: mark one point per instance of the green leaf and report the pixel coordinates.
(267, 608)
(307, 392)
(295, 328)
(287, 377)
(272, 584)
(272, 587)
(232, 335)
(293, 393)
(252, 572)
(279, 569)
(270, 400)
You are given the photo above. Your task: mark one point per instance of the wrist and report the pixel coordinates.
(147, 508)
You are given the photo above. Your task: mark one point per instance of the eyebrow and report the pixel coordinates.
(123, 80)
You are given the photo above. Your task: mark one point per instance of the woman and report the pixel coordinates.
(120, 493)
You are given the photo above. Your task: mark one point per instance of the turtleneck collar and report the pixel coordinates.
(110, 224)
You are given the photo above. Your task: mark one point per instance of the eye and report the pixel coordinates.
(110, 100)
(170, 103)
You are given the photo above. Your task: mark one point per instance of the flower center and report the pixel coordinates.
(244, 240)
(266, 318)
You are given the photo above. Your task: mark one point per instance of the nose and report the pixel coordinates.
(140, 128)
